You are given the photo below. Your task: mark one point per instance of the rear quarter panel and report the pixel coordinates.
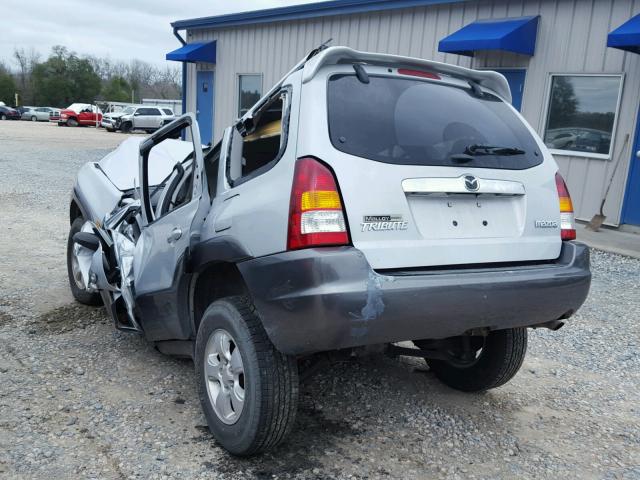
(255, 214)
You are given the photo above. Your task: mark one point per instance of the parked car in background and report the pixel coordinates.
(144, 118)
(22, 108)
(366, 199)
(78, 114)
(109, 120)
(8, 113)
(38, 114)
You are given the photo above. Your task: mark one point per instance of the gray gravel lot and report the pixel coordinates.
(81, 400)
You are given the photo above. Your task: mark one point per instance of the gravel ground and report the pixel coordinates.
(81, 400)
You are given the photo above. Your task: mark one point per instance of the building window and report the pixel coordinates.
(249, 92)
(582, 114)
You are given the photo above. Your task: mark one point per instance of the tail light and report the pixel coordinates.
(567, 222)
(316, 215)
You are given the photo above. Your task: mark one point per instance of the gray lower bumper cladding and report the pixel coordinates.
(325, 299)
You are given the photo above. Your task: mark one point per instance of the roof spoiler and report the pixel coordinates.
(493, 81)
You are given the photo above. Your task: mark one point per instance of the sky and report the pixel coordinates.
(119, 29)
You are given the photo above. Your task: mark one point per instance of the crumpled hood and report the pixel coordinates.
(114, 115)
(121, 165)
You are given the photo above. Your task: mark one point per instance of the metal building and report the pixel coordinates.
(573, 67)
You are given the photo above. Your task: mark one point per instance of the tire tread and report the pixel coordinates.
(278, 379)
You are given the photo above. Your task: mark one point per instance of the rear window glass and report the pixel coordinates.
(417, 122)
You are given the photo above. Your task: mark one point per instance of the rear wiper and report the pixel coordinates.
(476, 149)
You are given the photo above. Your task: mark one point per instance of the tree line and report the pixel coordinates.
(66, 77)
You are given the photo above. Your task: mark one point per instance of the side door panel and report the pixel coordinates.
(165, 244)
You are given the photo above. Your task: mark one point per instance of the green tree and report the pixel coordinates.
(564, 103)
(64, 79)
(117, 90)
(7, 87)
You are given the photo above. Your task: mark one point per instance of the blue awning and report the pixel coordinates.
(511, 34)
(626, 36)
(194, 52)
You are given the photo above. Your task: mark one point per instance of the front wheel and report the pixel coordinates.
(34, 119)
(76, 283)
(477, 363)
(248, 390)
(72, 122)
(3, 117)
(126, 127)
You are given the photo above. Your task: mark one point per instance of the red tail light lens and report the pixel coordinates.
(418, 73)
(567, 221)
(316, 215)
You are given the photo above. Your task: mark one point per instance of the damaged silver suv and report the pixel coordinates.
(366, 199)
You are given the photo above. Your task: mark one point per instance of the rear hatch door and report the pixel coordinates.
(421, 182)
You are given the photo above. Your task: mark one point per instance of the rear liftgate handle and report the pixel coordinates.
(176, 233)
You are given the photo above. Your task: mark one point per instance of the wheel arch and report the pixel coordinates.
(75, 210)
(216, 280)
(213, 263)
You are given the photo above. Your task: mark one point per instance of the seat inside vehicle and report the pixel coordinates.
(262, 145)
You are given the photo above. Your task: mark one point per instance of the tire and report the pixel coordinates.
(3, 117)
(72, 122)
(499, 360)
(126, 127)
(269, 381)
(34, 119)
(79, 293)
(110, 130)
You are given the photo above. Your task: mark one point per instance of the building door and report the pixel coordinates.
(631, 208)
(204, 105)
(515, 77)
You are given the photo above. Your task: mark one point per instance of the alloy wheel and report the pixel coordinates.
(224, 376)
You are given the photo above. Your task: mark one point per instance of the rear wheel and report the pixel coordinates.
(72, 122)
(477, 363)
(248, 390)
(3, 117)
(78, 289)
(34, 119)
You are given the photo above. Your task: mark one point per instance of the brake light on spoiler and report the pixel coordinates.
(316, 214)
(567, 221)
(418, 73)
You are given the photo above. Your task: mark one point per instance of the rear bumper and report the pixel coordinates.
(325, 299)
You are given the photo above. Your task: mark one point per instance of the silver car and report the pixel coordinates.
(39, 114)
(146, 117)
(366, 199)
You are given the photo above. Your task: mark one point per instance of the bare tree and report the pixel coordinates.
(26, 60)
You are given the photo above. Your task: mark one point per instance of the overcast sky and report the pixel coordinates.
(120, 29)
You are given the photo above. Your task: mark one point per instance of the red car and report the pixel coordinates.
(78, 114)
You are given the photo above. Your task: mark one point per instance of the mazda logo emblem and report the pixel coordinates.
(471, 183)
